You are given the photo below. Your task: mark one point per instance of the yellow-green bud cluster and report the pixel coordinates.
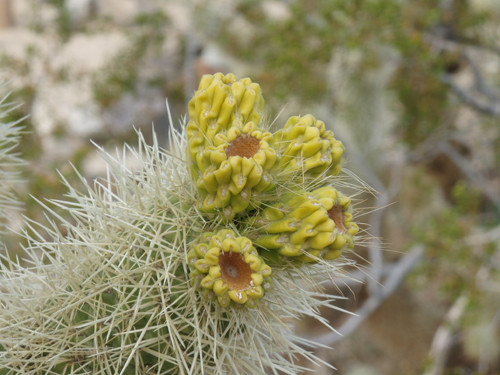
(235, 168)
(219, 103)
(307, 226)
(308, 148)
(242, 169)
(231, 156)
(228, 267)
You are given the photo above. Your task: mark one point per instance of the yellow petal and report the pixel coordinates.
(201, 250)
(273, 213)
(230, 245)
(274, 241)
(220, 288)
(317, 217)
(257, 279)
(332, 254)
(239, 203)
(339, 242)
(233, 133)
(238, 296)
(304, 210)
(218, 156)
(321, 240)
(215, 272)
(260, 157)
(202, 266)
(245, 244)
(223, 196)
(237, 184)
(212, 256)
(256, 292)
(207, 282)
(301, 235)
(253, 261)
(289, 250)
(224, 300)
(281, 226)
(223, 173)
(325, 226)
(265, 270)
(247, 165)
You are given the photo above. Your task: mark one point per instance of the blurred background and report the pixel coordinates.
(412, 88)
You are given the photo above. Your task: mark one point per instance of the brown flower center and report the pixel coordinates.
(244, 145)
(337, 215)
(234, 271)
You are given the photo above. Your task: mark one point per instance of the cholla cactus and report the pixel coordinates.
(220, 103)
(141, 281)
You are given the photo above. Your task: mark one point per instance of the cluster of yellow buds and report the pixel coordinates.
(241, 171)
(306, 225)
(231, 156)
(307, 147)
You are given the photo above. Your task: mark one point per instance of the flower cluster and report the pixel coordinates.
(260, 185)
(306, 145)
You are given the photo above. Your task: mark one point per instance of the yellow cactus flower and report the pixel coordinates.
(306, 146)
(229, 268)
(219, 103)
(307, 226)
(235, 169)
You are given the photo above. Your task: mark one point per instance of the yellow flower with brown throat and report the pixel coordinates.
(235, 169)
(229, 268)
(307, 226)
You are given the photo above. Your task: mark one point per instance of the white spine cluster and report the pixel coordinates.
(10, 163)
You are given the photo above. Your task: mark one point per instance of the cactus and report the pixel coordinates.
(220, 103)
(146, 279)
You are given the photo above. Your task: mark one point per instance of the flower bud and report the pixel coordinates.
(306, 147)
(219, 103)
(307, 226)
(232, 172)
(232, 269)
